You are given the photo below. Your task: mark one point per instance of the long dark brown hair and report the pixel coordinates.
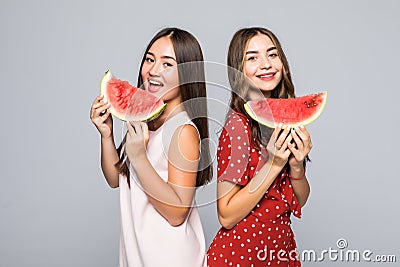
(192, 87)
(240, 86)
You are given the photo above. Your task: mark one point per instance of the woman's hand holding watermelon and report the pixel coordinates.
(100, 116)
(136, 141)
(278, 152)
(300, 147)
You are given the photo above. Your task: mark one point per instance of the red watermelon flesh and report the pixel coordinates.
(292, 111)
(129, 103)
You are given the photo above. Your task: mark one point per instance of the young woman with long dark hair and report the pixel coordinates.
(159, 164)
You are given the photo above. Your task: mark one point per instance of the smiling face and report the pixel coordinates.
(159, 71)
(262, 65)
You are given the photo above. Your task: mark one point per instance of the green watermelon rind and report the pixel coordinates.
(274, 124)
(155, 114)
(252, 115)
(103, 85)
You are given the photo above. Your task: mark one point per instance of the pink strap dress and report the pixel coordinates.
(147, 239)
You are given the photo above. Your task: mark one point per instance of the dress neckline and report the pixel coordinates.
(168, 119)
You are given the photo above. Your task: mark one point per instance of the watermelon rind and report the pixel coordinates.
(252, 115)
(274, 124)
(155, 114)
(103, 86)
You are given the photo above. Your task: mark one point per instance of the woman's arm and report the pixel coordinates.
(300, 185)
(101, 117)
(236, 202)
(109, 157)
(300, 149)
(173, 199)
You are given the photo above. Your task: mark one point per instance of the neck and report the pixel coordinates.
(254, 94)
(171, 110)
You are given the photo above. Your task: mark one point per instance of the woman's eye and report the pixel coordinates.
(167, 64)
(252, 58)
(273, 55)
(149, 59)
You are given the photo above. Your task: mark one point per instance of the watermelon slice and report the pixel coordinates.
(292, 111)
(129, 103)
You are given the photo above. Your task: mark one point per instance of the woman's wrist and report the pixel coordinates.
(107, 138)
(297, 173)
(138, 160)
(273, 163)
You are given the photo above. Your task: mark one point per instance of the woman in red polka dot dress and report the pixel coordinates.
(261, 172)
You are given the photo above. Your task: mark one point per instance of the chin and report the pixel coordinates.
(266, 89)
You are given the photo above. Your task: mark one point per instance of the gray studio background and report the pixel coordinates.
(55, 206)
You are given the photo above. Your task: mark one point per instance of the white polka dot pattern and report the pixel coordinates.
(268, 224)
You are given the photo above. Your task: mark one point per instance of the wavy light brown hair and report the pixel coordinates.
(192, 87)
(239, 84)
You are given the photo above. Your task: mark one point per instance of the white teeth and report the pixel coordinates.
(154, 83)
(268, 75)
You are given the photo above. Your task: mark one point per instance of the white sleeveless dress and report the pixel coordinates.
(147, 239)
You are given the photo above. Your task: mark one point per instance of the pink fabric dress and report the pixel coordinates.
(147, 239)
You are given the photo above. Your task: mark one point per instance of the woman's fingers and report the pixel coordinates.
(281, 136)
(101, 109)
(105, 116)
(286, 142)
(303, 141)
(131, 130)
(303, 133)
(97, 99)
(98, 107)
(286, 154)
(305, 137)
(99, 104)
(136, 128)
(296, 138)
(145, 130)
(296, 152)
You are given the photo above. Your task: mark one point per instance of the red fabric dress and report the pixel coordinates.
(264, 237)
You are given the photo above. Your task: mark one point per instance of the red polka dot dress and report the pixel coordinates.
(264, 237)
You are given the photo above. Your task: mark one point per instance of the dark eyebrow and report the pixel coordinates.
(256, 52)
(167, 57)
(251, 52)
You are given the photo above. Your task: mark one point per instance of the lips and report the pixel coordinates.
(266, 76)
(154, 86)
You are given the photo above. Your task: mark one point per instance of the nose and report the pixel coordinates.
(155, 69)
(265, 63)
